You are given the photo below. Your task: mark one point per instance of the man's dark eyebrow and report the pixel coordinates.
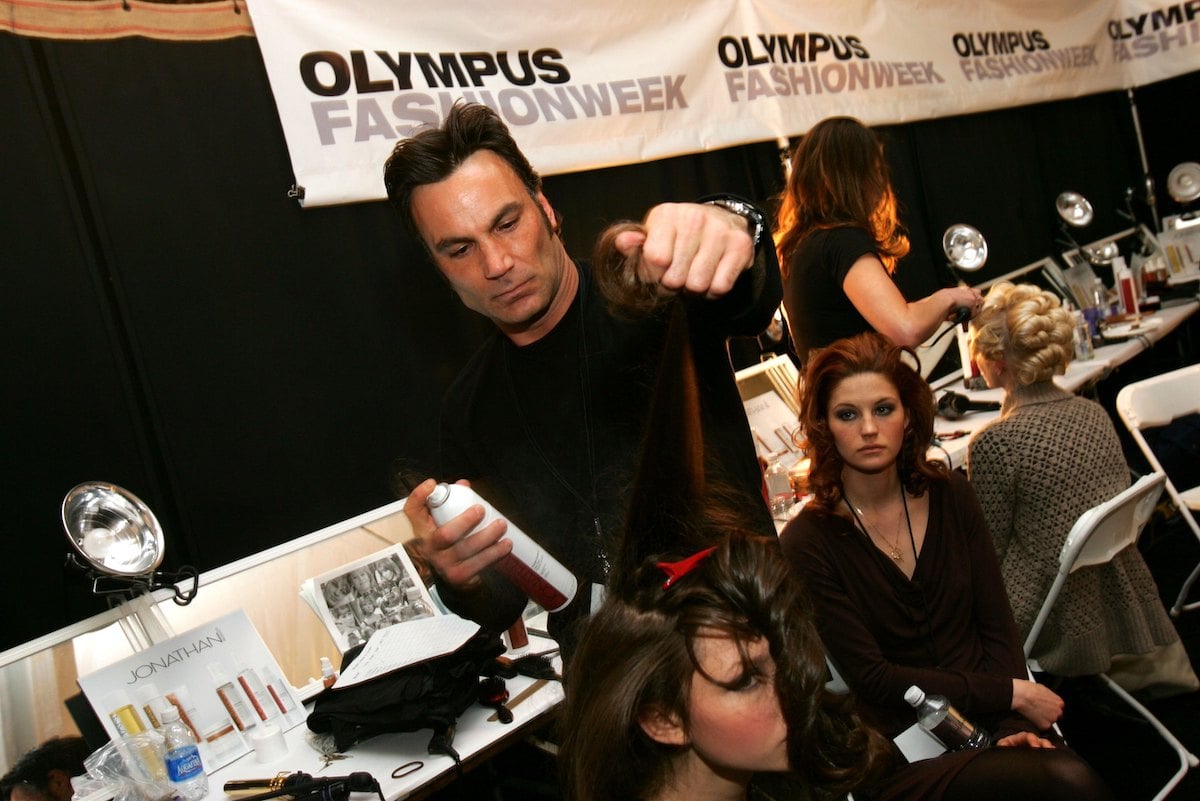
(445, 244)
(505, 210)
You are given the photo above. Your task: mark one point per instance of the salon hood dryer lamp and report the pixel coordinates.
(1074, 210)
(1183, 185)
(965, 248)
(966, 251)
(118, 542)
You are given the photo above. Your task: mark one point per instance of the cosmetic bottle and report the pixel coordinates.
(221, 741)
(1083, 337)
(256, 693)
(123, 714)
(328, 674)
(148, 699)
(231, 699)
(277, 690)
(181, 699)
(529, 566)
(1125, 286)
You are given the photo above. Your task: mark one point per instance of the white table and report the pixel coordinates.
(475, 740)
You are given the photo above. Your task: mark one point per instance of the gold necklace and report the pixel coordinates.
(893, 546)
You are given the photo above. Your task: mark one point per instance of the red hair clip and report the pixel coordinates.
(677, 570)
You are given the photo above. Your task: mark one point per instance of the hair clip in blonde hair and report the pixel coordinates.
(677, 570)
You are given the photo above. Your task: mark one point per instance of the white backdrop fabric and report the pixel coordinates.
(589, 85)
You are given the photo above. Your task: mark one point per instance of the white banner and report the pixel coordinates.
(592, 85)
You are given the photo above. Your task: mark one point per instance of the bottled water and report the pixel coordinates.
(184, 768)
(779, 488)
(936, 716)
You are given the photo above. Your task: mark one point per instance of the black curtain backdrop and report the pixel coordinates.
(176, 324)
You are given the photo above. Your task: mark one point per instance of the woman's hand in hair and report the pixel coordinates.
(1039, 704)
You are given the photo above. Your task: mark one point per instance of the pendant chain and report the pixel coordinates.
(893, 545)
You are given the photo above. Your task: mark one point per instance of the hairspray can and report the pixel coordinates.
(537, 573)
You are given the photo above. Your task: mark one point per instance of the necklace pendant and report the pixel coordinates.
(895, 554)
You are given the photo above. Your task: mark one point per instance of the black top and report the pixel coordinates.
(549, 433)
(948, 629)
(818, 310)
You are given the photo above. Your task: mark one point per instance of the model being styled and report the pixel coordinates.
(1048, 458)
(702, 672)
(896, 556)
(839, 240)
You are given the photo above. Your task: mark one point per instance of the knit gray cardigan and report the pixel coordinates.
(1048, 458)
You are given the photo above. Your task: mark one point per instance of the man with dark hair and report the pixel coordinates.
(546, 418)
(44, 774)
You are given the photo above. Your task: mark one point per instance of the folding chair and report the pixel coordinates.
(1100, 534)
(1156, 402)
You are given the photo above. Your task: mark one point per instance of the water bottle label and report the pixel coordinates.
(954, 731)
(183, 764)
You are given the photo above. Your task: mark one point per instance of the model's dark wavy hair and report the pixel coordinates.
(839, 178)
(637, 654)
(866, 353)
(432, 154)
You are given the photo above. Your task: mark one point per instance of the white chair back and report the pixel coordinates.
(1160, 399)
(1098, 535)
(1154, 402)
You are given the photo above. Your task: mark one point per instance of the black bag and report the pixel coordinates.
(427, 695)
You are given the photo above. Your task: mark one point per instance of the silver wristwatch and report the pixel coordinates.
(751, 214)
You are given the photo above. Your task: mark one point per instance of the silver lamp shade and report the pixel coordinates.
(965, 248)
(112, 529)
(1183, 182)
(1074, 209)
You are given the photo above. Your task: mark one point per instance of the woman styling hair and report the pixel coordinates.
(839, 239)
(896, 556)
(703, 667)
(1020, 340)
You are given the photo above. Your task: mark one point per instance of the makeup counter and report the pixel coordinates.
(400, 762)
(255, 602)
(952, 436)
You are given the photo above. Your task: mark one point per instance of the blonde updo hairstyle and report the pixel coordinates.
(1027, 328)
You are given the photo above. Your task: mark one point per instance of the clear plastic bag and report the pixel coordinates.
(129, 768)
